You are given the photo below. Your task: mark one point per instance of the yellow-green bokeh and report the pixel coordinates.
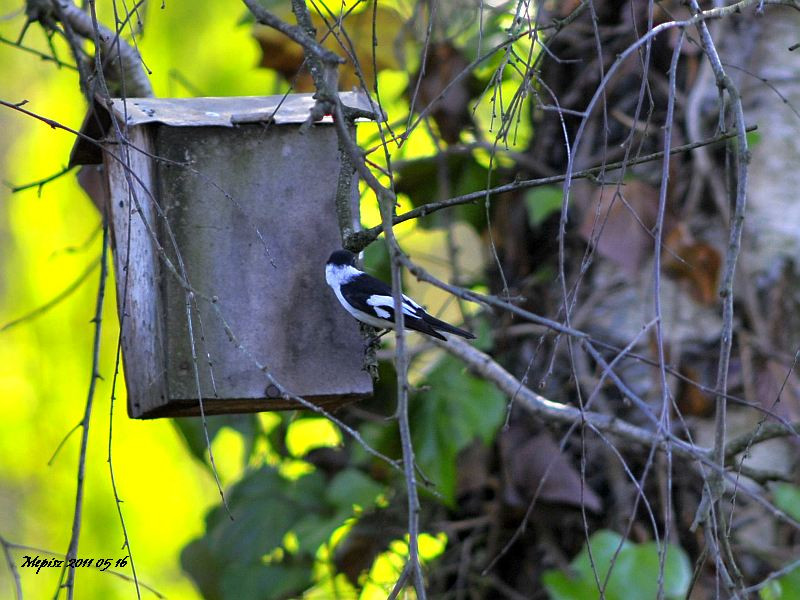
(46, 241)
(45, 363)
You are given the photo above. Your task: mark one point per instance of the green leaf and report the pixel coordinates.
(377, 261)
(265, 507)
(229, 560)
(604, 545)
(191, 429)
(265, 582)
(264, 511)
(202, 565)
(314, 529)
(634, 573)
(787, 498)
(559, 586)
(542, 202)
(418, 178)
(456, 409)
(640, 564)
(783, 588)
(435, 450)
(350, 487)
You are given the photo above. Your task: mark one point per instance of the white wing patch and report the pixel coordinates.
(409, 309)
(376, 301)
(413, 304)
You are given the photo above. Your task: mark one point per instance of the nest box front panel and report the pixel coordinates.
(249, 216)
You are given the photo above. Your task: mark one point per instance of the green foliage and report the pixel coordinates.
(542, 202)
(787, 498)
(191, 429)
(783, 588)
(268, 549)
(753, 138)
(352, 487)
(377, 261)
(454, 410)
(47, 242)
(634, 571)
(418, 178)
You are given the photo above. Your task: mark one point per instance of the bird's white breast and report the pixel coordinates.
(338, 275)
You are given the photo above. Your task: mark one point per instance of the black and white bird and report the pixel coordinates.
(370, 300)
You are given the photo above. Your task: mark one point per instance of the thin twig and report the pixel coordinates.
(53, 302)
(293, 32)
(42, 55)
(123, 576)
(123, 314)
(764, 432)
(386, 199)
(666, 404)
(715, 484)
(12, 567)
(62, 442)
(72, 551)
(39, 183)
(771, 577)
(361, 239)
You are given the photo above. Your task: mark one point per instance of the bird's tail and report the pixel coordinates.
(446, 327)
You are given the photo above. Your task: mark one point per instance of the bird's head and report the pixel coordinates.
(342, 258)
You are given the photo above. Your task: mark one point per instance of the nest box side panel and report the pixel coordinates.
(254, 220)
(137, 270)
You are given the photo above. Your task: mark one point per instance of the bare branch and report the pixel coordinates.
(12, 567)
(361, 239)
(765, 432)
(713, 491)
(72, 551)
(58, 298)
(293, 32)
(484, 366)
(108, 44)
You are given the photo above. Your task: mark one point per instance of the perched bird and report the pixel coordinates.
(370, 300)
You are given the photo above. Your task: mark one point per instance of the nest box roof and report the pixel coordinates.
(284, 109)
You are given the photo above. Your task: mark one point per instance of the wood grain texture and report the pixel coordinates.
(253, 219)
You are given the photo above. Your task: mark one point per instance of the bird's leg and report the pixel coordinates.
(373, 342)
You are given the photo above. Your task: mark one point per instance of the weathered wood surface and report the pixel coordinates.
(137, 271)
(253, 220)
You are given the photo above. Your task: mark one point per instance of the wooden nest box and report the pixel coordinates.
(229, 198)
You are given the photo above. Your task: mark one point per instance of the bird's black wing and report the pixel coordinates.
(374, 297)
(439, 324)
(358, 289)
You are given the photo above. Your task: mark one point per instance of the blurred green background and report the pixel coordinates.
(49, 237)
(307, 525)
(46, 241)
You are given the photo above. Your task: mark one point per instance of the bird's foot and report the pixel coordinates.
(370, 350)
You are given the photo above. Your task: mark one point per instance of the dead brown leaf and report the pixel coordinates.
(620, 224)
(531, 461)
(286, 57)
(696, 263)
(451, 113)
